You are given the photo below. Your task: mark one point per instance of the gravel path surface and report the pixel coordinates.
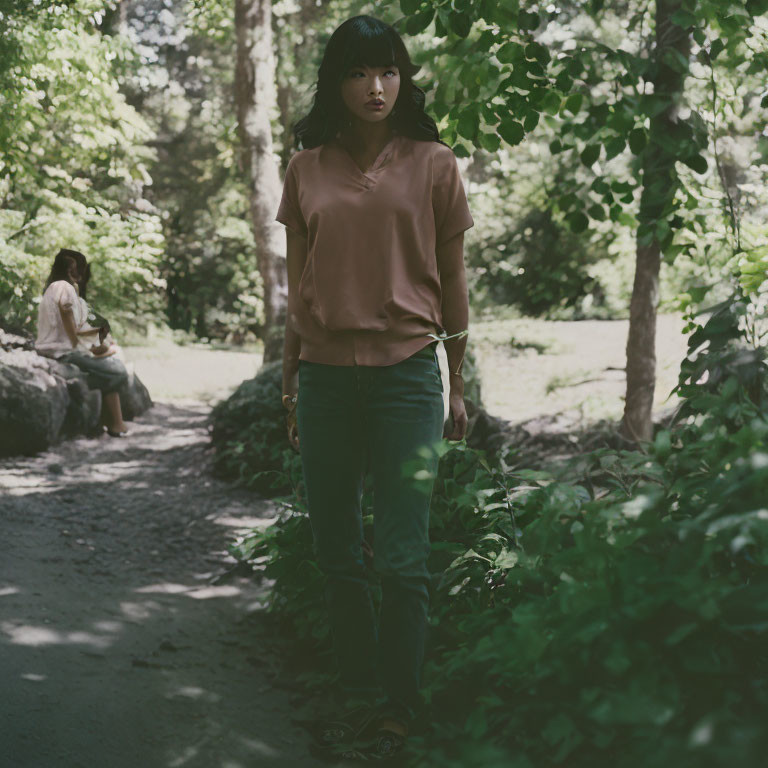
(126, 639)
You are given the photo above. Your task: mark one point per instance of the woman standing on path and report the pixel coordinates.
(375, 212)
(61, 330)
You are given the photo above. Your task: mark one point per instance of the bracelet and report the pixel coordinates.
(289, 401)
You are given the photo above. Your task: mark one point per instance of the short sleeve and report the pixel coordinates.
(63, 294)
(289, 212)
(449, 201)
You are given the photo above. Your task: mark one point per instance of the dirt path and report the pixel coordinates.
(122, 642)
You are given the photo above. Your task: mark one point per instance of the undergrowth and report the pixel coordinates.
(618, 617)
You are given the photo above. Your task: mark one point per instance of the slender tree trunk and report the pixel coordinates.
(256, 98)
(660, 182)
(291, 61)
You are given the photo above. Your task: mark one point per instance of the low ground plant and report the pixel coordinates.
(614, 612)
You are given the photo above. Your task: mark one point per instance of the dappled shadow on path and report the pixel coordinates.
(124, 641)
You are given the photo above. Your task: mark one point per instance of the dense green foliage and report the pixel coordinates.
(592, 612)
(185, 92)
(73, 166)
(119, 138)
(248, 430)
(567, 87)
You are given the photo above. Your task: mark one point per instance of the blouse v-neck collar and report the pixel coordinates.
(381, 158)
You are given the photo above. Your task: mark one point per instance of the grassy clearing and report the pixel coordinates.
(192, 372)
(533, 367)
(529, 367)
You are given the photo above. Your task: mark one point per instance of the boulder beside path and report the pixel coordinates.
(43, 401)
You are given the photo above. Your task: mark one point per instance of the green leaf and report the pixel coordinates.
(531, 121)
(551, 103)
(506, 559)
(683, 18)
(614, 147)
(663, 444)
(510, 52)
(511, 131)
(596, 212)
(409, 7)
(573, 103)
(537, 52)
(696, 162)
(590, 154)
(490, 142)
(577, 221)
(527, 20)
(468, 124)
(637, 140)
(419, 21)
(555, 146)
(460, 150)
(717, 47)
(460, 23)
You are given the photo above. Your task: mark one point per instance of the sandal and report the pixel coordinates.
(339, 730)
(383, 745)
(386, 745)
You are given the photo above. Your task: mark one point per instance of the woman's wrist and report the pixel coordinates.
(289, 401)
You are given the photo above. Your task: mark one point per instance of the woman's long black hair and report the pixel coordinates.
(364, 41)
(62, 264)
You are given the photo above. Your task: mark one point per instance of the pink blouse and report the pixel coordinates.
(370, 290)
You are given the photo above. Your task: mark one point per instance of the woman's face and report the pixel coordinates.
(362, 84)
(72, 273)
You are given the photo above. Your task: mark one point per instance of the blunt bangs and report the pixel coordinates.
(372, 50)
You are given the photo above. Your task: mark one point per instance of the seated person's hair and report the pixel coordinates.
(61, 269)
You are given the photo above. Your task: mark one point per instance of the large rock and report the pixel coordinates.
(43, 401)
(33, 405)
(134, 396)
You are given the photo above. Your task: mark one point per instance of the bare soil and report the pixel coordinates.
(126, 639)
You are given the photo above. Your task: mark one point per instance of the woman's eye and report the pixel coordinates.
(360, 72)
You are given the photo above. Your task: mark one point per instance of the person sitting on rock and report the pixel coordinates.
(63, 333)
(95, 325)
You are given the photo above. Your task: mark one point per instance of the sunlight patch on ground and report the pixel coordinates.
(33, 677)
(35, 636)
(206, 593)
(195, 592)
(246, 523)
(193, 693)
(164, 589)
(139, 611)
(258, 746)
(190, 753)
(6, 591)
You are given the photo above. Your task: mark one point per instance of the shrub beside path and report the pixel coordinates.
(126, 639)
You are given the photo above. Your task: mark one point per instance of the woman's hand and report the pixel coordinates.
(289, 402)
(103, 350)
(456, 426)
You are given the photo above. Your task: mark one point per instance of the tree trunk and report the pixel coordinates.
(255, 99)
(660, 182)
(291, 61)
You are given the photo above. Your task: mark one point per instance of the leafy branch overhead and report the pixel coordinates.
(517, 68)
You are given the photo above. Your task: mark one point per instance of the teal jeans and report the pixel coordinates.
(385, 420)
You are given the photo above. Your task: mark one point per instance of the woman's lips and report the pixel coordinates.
(373, 105)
